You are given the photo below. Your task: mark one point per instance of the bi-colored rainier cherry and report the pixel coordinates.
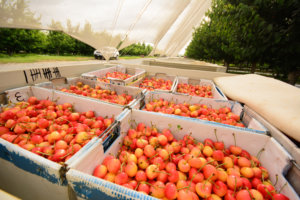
(195, 90)
(116, 75)
(155, 83)
(155, 163)
(53, 131)
(98, 93)
(199, 111)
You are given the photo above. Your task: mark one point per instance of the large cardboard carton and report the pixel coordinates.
(136, 93)
(163, 76)
(136, 73)
(248, 120)
(216, 92)
(30, 176)
(86, 186)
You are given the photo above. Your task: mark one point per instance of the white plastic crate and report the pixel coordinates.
(86, 186)
(30, 176)
(136, 93)
(158, 76)
(216, 92)
(251, 124)
(136, 73)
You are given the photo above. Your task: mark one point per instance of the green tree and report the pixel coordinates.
(263, 32)
(60, 43)
(81, 48)
(215, 39)
(16, 12)
(34, 41)
(16, 40)
(137, 50)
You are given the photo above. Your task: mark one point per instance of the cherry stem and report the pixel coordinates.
(276, 179)
(152, 124)
(181, 155)
(198, 172)
(259, 153)
(163, 172)
(152, 185)
(268, 192)
(47, 154)
(217, 186)
(219, 165)
(65, 155)
(234, 139)
(134, 122)
(204, 165)
(136, 187)
(251, 196)
(195, 156)
(147, 183)
(69, 123)
(15, 139)
(253, 164)
(28, 137)
(122, 165)
(207, 180)
(215, 130)
(235, 182)
(282, 187)
(183, 188)
(170, 156)
(152, 156)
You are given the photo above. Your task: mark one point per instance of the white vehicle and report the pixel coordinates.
(98, 55)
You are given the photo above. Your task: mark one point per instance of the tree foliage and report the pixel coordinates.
(36, 41)
(18, 40)
(17, 12)
(263, 32)
(137, 50)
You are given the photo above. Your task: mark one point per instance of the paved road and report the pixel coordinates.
(22, 66)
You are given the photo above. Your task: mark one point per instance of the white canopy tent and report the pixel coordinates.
(167, 24)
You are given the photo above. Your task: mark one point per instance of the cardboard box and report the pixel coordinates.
(159, 76)
(86, 186)
(136, 93)
(293, 175)
(30, 176)
(247, 119)
(136, 73)
(216, 92)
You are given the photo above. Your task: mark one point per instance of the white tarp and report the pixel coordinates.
(167, 24)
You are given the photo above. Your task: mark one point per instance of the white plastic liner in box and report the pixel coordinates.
(87, 186)
(136, 93)
(252, 124)
(30, 176)
(216, 92)
(159, 76)
(136, 73)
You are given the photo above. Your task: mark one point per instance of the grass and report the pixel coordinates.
(29, 58)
